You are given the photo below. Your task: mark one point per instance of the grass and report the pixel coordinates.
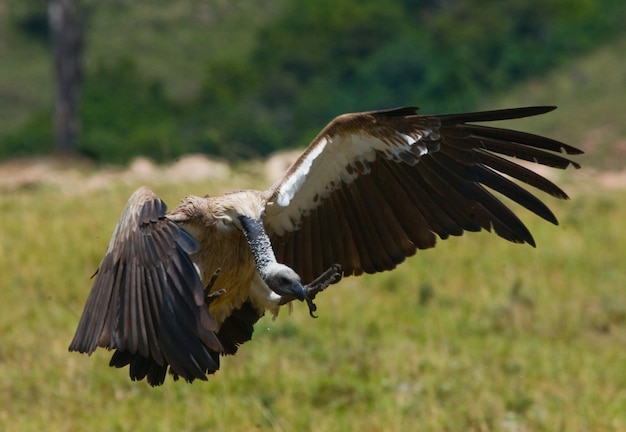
(476, 334)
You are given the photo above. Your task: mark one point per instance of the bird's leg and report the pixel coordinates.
(208, 295)
(329, 277)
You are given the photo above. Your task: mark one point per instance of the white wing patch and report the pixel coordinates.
(345, 159)
(335, 161)
(295, 181)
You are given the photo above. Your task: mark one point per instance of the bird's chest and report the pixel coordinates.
(225, 250)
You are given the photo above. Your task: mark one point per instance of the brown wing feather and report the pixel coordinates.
(377, 186)
(147, 301)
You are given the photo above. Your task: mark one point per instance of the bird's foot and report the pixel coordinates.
(329, 277)
(208, 295)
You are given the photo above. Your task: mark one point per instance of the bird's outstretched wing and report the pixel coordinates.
(373, 187)
(147, 301)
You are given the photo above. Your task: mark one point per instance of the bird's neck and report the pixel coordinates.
(259, 242)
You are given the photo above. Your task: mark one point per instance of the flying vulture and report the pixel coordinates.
(176, 290)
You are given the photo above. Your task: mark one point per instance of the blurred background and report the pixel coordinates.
(100, 97)
(240, 80)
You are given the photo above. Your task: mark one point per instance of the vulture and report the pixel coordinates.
(177, 290)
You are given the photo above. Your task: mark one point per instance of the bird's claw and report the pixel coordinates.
(329, 277)
(208, 295)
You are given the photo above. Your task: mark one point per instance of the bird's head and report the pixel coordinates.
(284, 281)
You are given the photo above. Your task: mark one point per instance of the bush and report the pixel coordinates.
(125, 115)
(34, 138)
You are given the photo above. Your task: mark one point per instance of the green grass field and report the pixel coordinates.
(477, 334)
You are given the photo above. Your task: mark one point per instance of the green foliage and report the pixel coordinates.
(34, 138)
(30, 18)
(273, 82)
(320, 59)
(125, 115)
(319, 38)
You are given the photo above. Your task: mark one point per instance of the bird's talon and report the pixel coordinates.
(209, 298)
(312, 307)
(209, 285)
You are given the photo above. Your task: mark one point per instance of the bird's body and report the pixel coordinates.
(222, 246)
(178, 289)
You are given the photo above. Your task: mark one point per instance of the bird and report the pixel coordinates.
(178, 290)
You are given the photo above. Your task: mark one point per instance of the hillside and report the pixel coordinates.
(242, 81)
(590, 95)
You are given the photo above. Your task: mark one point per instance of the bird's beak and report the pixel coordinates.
(297, 290)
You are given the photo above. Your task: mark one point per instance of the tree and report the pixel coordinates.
(66, 32)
